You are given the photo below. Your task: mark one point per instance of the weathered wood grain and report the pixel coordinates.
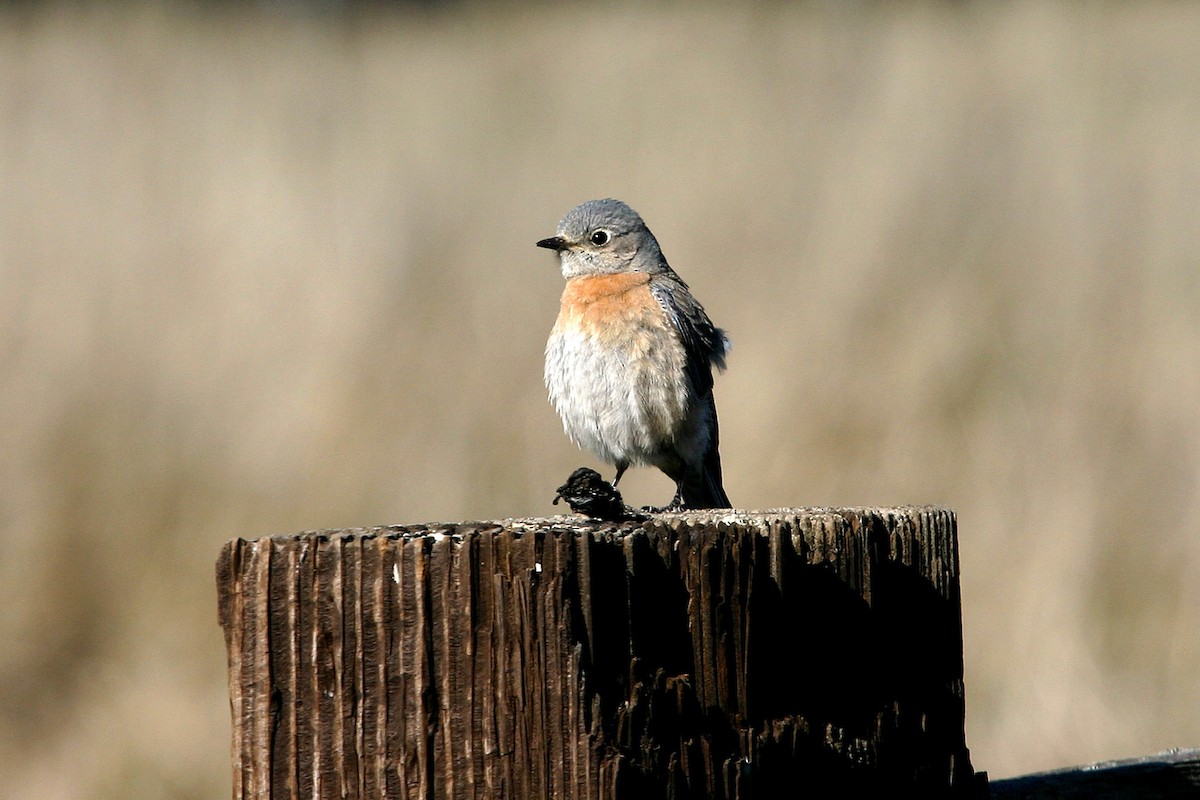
(699, 655)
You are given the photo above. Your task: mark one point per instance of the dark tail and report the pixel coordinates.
(704, 489)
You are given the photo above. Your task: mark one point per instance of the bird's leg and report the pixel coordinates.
(620, 471)
(677, 500)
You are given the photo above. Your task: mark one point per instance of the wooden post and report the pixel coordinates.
(696, 655)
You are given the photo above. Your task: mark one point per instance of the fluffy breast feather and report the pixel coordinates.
(615, 368)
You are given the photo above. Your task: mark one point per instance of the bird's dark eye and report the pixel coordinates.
(600, 238)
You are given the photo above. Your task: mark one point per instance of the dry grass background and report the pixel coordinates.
(263, 272)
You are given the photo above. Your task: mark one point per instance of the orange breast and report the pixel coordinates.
(607, 305)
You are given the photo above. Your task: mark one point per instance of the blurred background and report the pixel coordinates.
(270, 268)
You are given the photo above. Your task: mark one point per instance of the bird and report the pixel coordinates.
(629, 362)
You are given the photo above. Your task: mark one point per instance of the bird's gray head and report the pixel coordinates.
(603, 237)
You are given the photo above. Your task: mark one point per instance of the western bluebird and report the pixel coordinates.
(629, 362)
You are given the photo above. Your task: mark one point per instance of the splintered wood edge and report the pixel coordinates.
(581, 524)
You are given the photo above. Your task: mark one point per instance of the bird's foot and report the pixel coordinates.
(676, 504)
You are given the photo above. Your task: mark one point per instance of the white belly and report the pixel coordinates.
(617, 404)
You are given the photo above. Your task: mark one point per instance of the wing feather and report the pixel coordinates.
(705, 344)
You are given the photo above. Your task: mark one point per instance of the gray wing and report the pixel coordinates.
(706, 345)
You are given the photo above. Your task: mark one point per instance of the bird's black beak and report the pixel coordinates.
(555, 243)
